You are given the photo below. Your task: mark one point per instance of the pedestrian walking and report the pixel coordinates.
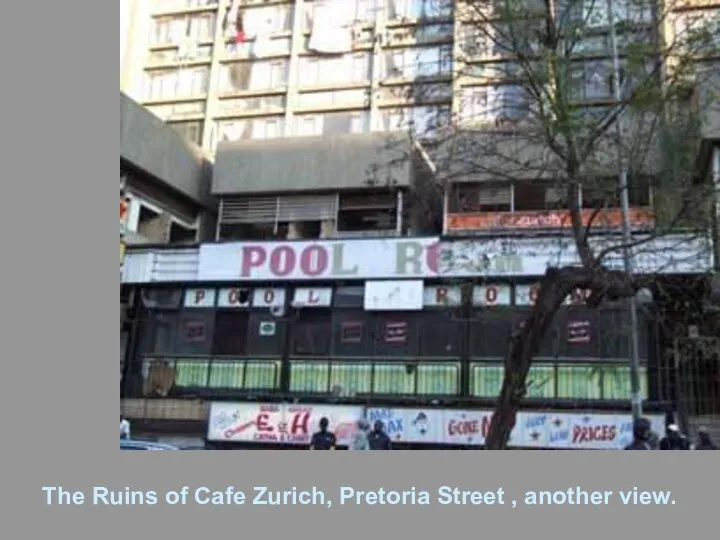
(704, 440)
(674, 440)
(378, 439)
(124, 428)
(360, 440)
(642, 435)
(324, 439)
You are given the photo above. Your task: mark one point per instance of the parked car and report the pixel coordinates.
(129, 444)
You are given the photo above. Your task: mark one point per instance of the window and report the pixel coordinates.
(180, 234)
(419, 62)
(265, 335)
(195, 331)
(192, 131)
(481, 198)
(246, 104)
(267, 19)
(175, 29)
(418, 9)
(352, 336)
(604, 193)
(311, 333)
(440, 335)
(349, 68)
(395, 334)
(349, 297)
(592, 80)
(494, 103)
(257, 128)
(259, 75)
(359, 10)
(425, 121)
(230, 337)
(537, 196)
(159, 332)
(186, 82)
(332, 123)
(363, 213)
(433, 32)
(357, 97)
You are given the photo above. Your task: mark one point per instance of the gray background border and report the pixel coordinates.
(60, 345)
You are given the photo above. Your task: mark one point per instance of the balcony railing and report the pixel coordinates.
(219, 377)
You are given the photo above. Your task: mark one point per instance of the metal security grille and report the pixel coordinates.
(245, 210)
(697, 374)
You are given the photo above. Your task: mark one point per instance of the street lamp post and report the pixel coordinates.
(626, 231)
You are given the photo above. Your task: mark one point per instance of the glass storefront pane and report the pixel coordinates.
(352, 378)
(262, 375)
(541, 382)
(440, 379)
(226, 374)
(312, 377)
(579, 382)
(486, 380)
(393, 379)
(191, 373)
(616, 382)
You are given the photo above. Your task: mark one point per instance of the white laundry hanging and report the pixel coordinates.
(332, 31)
(231, 28)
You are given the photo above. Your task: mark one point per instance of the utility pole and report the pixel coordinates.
(626, 231)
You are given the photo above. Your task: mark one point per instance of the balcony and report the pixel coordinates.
(542, 221)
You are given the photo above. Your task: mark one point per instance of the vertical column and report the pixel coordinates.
(211, 101)
(297, 45)
(135, 29)
(458, 59)
(376, 66)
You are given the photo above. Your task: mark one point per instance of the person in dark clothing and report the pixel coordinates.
(674, 440)
(642, 435)
(378, 439)
(323, 439)
(704, 440)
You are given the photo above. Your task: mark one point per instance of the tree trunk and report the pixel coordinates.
(525, 341)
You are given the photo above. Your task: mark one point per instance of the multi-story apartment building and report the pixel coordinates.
(343, 276)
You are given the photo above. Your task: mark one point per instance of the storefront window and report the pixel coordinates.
(191, 373)
(394, 379)
(195, 333)
(311, 333)
(541, 382)
(486, 380)
(352, 379)
(440, 336)
(266, 335)
(561, 381)
(578, 382)
(230, 336)
(395, 334)
(352, 333)
(245, 374)
(438, 379)
(309, 377)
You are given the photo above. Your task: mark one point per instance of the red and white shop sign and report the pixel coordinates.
(492, 295)
(442, 295)
(200, 298)
(312, 297)
(234, 298)
(526, 295)
(279, 423)
(269, 297)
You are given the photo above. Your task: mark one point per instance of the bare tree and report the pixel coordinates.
(548, 113)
